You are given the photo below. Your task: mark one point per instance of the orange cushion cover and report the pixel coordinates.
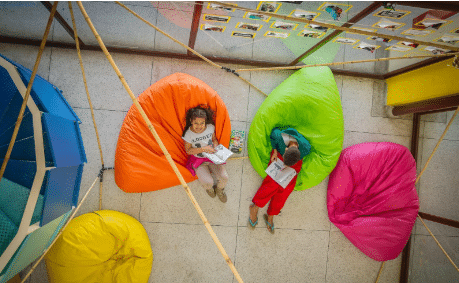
(140, 165)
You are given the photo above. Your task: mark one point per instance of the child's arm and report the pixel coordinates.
(214, 139)
(274, 155)
(189, 149)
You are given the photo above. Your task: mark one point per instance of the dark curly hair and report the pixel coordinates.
(291, 156)
(201, 111)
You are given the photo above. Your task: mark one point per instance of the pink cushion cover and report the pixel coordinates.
(372, 198)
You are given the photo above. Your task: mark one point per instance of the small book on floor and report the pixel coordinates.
(220, 156)
(237, 141)
(280, 173)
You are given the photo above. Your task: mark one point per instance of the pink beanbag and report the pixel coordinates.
(372, 199)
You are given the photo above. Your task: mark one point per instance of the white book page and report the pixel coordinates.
(220, 156)
(280, 173)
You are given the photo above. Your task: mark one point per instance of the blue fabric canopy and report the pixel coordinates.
(47, 160)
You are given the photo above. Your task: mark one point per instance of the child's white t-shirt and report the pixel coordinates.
(288, 138)
(200, 140)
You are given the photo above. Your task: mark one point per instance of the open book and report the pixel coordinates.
(280, 173)
(220, 156)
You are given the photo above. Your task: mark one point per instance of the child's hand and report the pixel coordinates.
(208, 149)
(274, 157)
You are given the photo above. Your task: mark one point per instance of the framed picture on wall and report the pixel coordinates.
(311, 33)
(451, 39)
(249, 26)
(432, 23)
(243, 34)
(409, 44)
(302, 14)
(386, 24)
(216, 18)
(345, 40)
(270, 7)
(335, 10)
(316, 27)
(417, 32)
(256, 16)
(435, 50)
(217, 7)
(208, 27)
(283, 26)
(276, 34)
(379, 39)
(367, 47)
(391, 14)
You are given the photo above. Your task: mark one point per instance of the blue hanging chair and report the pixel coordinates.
(41, 183)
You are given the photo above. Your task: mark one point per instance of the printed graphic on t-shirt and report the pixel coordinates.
(198, 145)
(200, 140)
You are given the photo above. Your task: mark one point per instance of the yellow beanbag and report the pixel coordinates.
(103, 246)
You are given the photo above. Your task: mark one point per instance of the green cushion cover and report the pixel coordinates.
(308, 101)
(13, 200)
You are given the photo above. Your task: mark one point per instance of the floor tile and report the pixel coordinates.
(287, 256)
(429, 264)
(107, 93)
(187, 253)
(353, 138)
(346, 263)
(40, 274)
(174, 29)
(113, 198)
(112, 25)
(435, 130)
(438, 184)
(259, 79)
(302, 210)
(34, 18)
(27, 56)
(339, 83)
(172, 205)
(357, 102)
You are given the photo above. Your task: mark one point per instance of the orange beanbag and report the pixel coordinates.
(140, 164)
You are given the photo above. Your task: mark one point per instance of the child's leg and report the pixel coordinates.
(266, 191)
(280, 197)
(205, 177)
(222, 179)
(220, 174)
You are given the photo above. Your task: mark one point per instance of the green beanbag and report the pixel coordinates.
(308, 101)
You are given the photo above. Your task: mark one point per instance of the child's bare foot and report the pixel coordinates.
(269, 222)
(253, 215)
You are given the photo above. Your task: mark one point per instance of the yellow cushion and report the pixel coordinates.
(102, 246)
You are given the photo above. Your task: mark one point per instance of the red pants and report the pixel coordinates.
(271, 190)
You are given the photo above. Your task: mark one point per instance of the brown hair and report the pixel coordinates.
(291, 156)
(201, 111)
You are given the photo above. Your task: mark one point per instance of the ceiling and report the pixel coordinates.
(239, 36)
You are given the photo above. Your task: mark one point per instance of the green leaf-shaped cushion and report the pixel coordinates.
(308, 101)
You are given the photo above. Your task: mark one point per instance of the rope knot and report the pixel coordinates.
(230, 71)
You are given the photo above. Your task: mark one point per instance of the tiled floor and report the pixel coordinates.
(306, 246)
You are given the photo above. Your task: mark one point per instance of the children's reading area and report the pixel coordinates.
(242, 141)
